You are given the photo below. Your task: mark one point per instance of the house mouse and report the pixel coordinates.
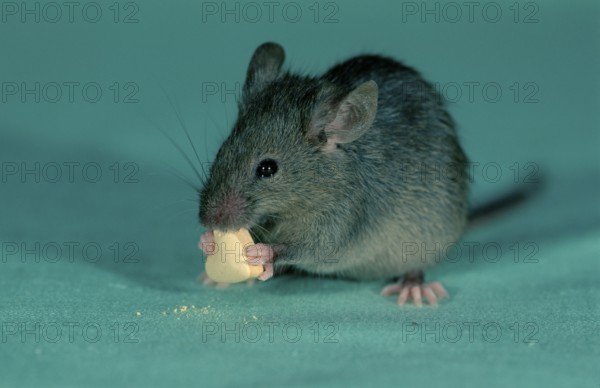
(357, 174)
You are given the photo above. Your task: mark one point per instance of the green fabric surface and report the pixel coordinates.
(74, 317)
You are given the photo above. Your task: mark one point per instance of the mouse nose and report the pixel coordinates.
(228, 212)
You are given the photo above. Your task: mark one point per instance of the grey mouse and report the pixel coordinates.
(356, 174)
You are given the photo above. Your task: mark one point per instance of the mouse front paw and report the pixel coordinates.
(412, 286)
(261, 254)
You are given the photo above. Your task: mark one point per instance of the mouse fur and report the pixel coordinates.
(358, 152)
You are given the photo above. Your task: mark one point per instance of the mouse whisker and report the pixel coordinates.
(181, 177)
(266, 233)
(187, 134)
(185, 156)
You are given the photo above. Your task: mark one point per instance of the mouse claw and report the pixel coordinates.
(415, 292)
(412, 287)
(438, 289)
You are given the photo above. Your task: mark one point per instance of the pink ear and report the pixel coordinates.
(349, 119)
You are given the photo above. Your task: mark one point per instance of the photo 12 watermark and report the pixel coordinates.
(69, 12)
(36, 332)
(270, 332)
(489, 172)
(456, 92)
(327, 12)
(71, 92)
(490, 12)
(470, 252)
(491, 252)
(68, 172)
(69, 252)
(469, 332)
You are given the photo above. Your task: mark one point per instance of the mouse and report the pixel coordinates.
(357, 174)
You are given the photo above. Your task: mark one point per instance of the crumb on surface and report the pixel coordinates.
(190, 310)
(206, 310)
(138, 313)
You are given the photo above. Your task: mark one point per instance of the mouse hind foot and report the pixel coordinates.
(413, 286)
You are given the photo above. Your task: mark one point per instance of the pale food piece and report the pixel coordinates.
(228, 262)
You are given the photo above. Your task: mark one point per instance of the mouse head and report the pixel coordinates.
(287, 155)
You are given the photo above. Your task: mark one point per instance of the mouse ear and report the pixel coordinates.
(264, 66)
(347, 120)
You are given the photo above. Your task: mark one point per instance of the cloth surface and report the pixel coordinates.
(98, 236)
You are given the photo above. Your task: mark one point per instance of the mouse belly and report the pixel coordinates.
(365, 263)
(362, 270)
(379, 254)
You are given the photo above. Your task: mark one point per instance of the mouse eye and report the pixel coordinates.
(266, 169)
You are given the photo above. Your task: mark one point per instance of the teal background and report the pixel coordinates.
(547, 310)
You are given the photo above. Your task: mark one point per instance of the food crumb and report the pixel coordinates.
(205, 310)
(138, 313)
(189, 311)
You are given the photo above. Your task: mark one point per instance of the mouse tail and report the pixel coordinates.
(485, 212)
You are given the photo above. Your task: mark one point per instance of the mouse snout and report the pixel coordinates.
(226, 213)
